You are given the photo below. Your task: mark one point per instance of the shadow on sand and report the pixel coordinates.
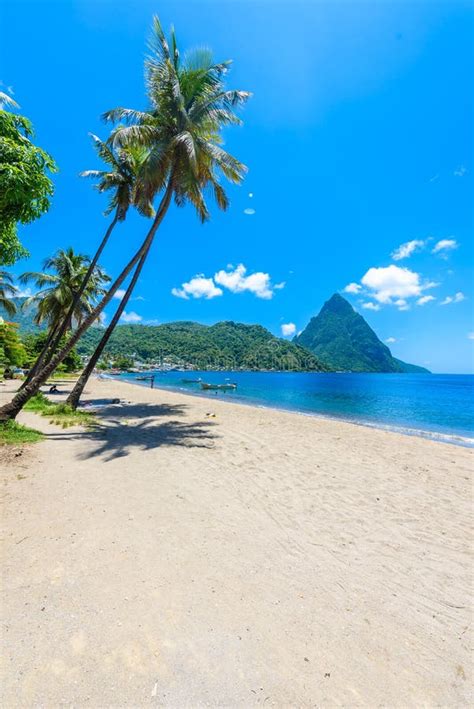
(123, 429)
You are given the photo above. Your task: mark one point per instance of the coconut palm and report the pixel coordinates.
(189, 106)
(57, 289)
(7, 292)
(56, 302)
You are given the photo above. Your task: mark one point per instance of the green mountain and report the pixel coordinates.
(23, 317)
(341, 337)
(225, 345)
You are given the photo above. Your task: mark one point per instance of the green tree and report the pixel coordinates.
(7, 291)
(12, 351)
(182, 133)
(57, 289)
(58, 304)
(34, 345)
(25, 185)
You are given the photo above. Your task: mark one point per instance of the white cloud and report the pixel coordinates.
(23, 293)
(198, 287)
(456, 298)
(371, 306)
(288, 329)
(425, 299)
(392, 283)
(390, 340)
(402, 304)
(407, 249)
(352, 288)
(470, 335)
(130, 317)
(249, 211)
(279, 286)
(237, 281)
(250, 195)
(460, 171)
(119, 293)
(138, 297)
(444, 245)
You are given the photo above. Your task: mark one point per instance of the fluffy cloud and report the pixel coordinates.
(130, 317)
(390, 340)
(444, 245)
(393, 283)
(249, 211)
(407, 249)
(456, 298)
(119, 294)
(352, 288)
(237, 281)
(425, 299)
(371, 306)
(288, 329)
(198, 287)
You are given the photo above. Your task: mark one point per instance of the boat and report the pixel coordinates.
(218, 387)
(192, 381)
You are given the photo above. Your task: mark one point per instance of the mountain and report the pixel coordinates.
(341, 338)
(225, 345)
(23, 316)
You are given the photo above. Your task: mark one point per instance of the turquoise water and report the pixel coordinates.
(435, 405)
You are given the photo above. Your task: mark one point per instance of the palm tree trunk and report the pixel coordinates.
(75, 395)
(52, 343)
(40, 359)
(12, 409)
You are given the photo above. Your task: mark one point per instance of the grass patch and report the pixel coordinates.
(13, 433)
(59, 414)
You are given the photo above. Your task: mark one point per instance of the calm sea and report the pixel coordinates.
(434, 405)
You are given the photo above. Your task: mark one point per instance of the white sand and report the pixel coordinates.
(259, 557)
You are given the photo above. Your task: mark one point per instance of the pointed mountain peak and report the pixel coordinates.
(337, 304)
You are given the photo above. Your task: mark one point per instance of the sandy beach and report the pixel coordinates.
(251, 557)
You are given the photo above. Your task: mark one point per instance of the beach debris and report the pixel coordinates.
(211, 416)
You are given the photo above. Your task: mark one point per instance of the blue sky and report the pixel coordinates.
(358, 140)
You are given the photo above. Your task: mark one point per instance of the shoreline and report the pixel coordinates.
(187, 551)
(426, 434)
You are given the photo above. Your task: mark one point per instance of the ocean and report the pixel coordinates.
(438, 406)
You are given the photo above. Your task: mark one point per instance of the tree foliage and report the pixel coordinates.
(33, 345)
(12, 351)
(25, 185)
(226, 345)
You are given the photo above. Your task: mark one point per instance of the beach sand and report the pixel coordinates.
(257, 557)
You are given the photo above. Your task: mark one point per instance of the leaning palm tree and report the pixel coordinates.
(189, 107)
(7, 292)
(119, 180)
(55, 301)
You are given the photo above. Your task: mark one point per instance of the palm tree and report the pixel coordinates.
(189, 106)
(120, 180)
(57, 290)
(7, 292)
(56, 303)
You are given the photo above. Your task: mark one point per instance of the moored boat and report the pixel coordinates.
(218, 387)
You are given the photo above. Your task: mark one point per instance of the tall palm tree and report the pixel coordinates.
(181, 131)
(189, 106)
(7, 292)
